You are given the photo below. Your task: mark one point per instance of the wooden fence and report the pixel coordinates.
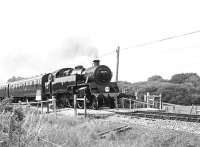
(39, 104)
(134, 104)
(75, 105)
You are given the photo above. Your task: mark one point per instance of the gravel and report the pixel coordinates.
(189, 127)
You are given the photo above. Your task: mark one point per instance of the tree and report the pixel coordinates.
(155, 78)
(181, 89)
(194, 79)
(190, 78)
(15, 79)
(178, 78)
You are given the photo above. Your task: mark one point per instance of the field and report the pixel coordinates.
(44, 130)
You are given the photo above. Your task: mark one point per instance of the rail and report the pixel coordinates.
(163, 115)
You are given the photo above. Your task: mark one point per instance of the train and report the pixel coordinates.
(94, 83)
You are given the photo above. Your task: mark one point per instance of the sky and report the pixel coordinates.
(41, 36)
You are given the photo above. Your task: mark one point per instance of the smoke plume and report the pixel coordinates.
(28, 62)
(75, 47)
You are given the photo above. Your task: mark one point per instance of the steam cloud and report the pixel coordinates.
(76, 47)
(48, 59)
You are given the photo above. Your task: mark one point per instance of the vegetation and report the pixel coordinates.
(76, 132)
(181, 89)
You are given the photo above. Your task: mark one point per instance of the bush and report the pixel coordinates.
(5, 105)
(182, 89)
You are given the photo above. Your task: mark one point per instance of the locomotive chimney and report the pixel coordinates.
(96, 62)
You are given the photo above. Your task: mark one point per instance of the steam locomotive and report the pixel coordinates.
(94, 83)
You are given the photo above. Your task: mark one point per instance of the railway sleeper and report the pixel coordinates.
(165, 117)
(116, 130)
(140, 114)
(191, 119)
(182, 118)
(151, 116)
(172, 117)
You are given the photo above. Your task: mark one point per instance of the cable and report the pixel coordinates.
(164, 39)
(153, 42)
(106, 54)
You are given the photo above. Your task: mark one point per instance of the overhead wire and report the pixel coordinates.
(152, 42)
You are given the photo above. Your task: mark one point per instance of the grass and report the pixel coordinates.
(79, 132)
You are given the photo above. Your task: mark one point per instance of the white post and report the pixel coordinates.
(153, 101)
(75, 109)
(123, 102)
(42, 106)
(160, 102)
(196, 110)
(54, 105)
(147, 99)
(47, 106)
(116, 103)
(85, 109)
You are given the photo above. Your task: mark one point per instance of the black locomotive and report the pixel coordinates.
(94, 83)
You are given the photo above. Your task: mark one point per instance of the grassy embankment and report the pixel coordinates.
(78, 132)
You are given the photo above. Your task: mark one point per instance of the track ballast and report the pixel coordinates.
(162, 115)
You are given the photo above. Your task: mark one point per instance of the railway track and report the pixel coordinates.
(162, 115)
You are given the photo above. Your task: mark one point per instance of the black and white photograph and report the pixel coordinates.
(99, 73)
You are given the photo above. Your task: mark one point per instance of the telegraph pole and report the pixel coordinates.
(117, 71)
(117, 68)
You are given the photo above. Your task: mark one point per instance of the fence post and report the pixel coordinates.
(75, 109)
(85, 109)
(130, 103)
(191, 109)
(160, 102)
(116, 103)
(19, 103)
(123, 102)
(196, 110)
(38, 106)
(148, 100)
(27, 104)
(47, 106)
(42, 106)
(153, 101)
(54, 105)
(174, 108)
